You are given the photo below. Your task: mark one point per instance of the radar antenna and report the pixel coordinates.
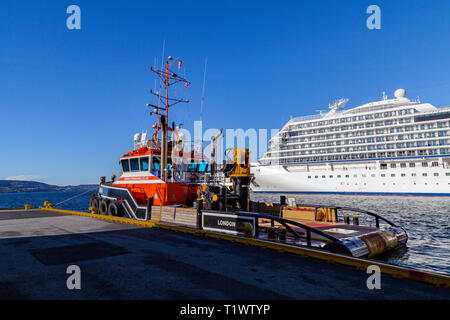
(338, 104)
(168, 78)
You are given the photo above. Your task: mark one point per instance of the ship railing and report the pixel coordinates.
(377, 217)
(286, 223)
(129, 202)
(305, 118)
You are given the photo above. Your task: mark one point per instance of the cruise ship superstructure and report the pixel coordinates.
(390, 147)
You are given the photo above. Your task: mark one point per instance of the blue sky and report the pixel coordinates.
(71, 100)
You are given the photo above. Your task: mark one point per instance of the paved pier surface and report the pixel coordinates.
(121, 261)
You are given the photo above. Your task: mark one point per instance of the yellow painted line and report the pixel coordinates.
(149, 223)
(17, 208)
(436, 279)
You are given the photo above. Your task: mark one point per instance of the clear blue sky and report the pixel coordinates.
(71, 100)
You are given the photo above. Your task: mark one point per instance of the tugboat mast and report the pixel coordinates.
(168, 78)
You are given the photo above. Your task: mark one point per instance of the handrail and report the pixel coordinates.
(377, 216)
(284, 222)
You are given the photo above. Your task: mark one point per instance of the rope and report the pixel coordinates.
(76, 196)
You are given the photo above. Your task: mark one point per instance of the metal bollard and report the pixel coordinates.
(271, 233)
(282, 234)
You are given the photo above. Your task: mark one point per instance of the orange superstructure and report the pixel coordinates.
(142, 176)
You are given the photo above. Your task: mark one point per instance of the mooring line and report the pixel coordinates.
(76, 196)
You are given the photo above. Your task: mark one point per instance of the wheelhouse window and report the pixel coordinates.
(134, 163)
(156, 163)
(144, 163)
(125, 165)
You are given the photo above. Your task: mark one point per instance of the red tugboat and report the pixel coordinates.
(156, 171)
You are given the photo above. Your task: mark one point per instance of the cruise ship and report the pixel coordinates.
(390, 147)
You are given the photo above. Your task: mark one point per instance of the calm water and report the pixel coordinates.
(426, 220)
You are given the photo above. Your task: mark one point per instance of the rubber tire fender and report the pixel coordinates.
(103, 207)
(95, 204)
(93, 201)
(112, 209)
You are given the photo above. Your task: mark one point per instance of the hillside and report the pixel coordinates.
(9, 186)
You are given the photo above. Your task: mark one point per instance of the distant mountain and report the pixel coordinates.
(9, 186)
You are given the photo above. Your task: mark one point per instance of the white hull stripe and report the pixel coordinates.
(138, 182)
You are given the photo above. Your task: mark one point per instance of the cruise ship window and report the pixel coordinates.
(309, 177)
(393, 175)
(403, 175)
(393, 165)
(373, 175)
(355, 176)
(402, 165)
(412, 165)
(424, 164)
(424, 174)
(436, 174)
(316, 177)
(340, 175)
(323, 176)
(435, 164)
(331, 176)
(364, 175)
(347, 176)
(413, 174)
(447, 174)
(383, 175)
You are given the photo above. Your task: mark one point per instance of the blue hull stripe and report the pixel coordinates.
(362, 193)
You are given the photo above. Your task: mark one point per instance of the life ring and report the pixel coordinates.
(103, 207)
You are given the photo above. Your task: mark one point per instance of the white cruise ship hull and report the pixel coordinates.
(353, 178)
